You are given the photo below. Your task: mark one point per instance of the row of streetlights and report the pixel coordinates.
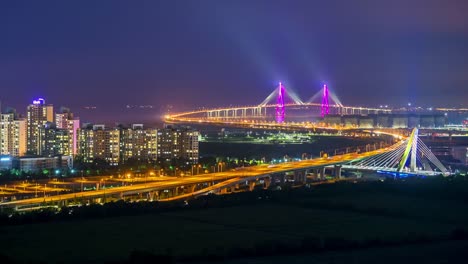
(219, 167)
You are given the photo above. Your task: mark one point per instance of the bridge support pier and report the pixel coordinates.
(267, 182)
(300, 176)
(62, 203)
(251, 185)
(154, 195)
(337, 171)
(317, 174)
(192, 188)
(320, 172)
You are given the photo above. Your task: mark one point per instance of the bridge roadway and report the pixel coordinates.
(247, 173)
(394, 171)
(229, 183)
(213, 115)
(211, 188)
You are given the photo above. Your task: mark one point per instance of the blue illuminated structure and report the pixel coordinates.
(39, 101)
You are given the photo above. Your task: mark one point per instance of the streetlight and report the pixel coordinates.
(129, 176)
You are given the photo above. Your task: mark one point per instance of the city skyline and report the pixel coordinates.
(233, 131)
(212, 54)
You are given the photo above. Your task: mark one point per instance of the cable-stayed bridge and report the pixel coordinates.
(322, 103)
(410, 156)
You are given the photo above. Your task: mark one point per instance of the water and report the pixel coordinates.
(278, 151)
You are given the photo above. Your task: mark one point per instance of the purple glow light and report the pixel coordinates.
(39, 101)
(325, 107)
(280, 111)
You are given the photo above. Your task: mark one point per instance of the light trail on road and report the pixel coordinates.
(169, 183)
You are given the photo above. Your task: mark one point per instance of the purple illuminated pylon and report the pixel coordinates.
(325, 107)
(280, 105)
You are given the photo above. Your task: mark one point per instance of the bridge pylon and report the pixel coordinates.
(280, 108)
(325, 106)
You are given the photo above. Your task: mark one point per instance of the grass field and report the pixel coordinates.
(445, 252)
(216, 230)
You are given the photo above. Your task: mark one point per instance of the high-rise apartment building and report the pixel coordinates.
(12, 135)
(118, 145)
(65, 120)
(151, 143)
(138, 143)
(54, 141)
(97, 142)
(178, 143)
(112, 146)
(38, 114)
(86, 143)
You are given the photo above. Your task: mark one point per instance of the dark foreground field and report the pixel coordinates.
(411, 221)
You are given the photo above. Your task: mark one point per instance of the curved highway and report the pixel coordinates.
(169, 183)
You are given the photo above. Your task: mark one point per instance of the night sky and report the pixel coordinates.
(209, 53)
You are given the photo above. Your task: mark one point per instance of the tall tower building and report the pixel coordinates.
(12, 135)
(65, 120)
(151, 142)
(38, 114)
(86, 142)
